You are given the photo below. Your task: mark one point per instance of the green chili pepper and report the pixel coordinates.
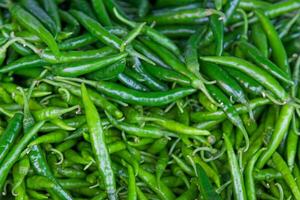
(184, 16)
(142, 98)
(205, 185)
(33, 7)
(15, 152)
(20, 170)
(217, 28)
(249, 177)
(146, 131)
(260, 39)
(280, 129)
(251, 70)
(278, 50)
(101, 12)
(33, 25)
(98, 144)
(84, 67)
(10, 134)
(166, 74)
(259, 59)
(109, 72)
(131, 82)
(52, 10)
(237, 178)
(96, 98)
(54, 137)
(286, 173)
(83, 6)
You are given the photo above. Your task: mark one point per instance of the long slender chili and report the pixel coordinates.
(249, 176)
(237, 178)
(278, 50)
(248, 68)
(98, 144)
(37, 157)
(282, 167)
(33, 25)
(10, 134)
(280, 130)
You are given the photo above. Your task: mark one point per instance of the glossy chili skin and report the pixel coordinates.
(238, 182)
(16, 151)
(284, 170)
(278, 50)
(131, 36)
(31, 61)
(77, 42)
(191, 52)
(146, 131)
(37, 156)
(251, 5)
(220, 115)
(149, 53)
(98, 144)
(150, 81)
(248, 83)
(226, 82)
(260, 39)
(84, 67)
(20, 49)
(184, 16)
(50, 113)
(132, 193)
(226, 106)
(74, 56)
(230, 8)
(152, 34)
(259, 59)
(249, 176)
(20, 170)
(109, 72)
(52, 9)
(132, 83)
(33, 7)
(53, 137)
(174, 31)
(280, 129)
(101, 12)
(175, 126)
(253, 71)
(291, 148)
(33, 25)
(162, 138)
(167, 74)
(98, 99)
(141, 98)
(10, 134)
(275, 10)
(217, 27)
(97, 29)
(168, 57)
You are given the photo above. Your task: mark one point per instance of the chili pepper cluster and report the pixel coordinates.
(140, 99)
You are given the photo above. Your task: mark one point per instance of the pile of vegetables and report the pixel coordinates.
(141, 99)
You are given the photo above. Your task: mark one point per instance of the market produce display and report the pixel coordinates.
(149, 99)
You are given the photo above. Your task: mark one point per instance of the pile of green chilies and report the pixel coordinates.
(149, 99)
